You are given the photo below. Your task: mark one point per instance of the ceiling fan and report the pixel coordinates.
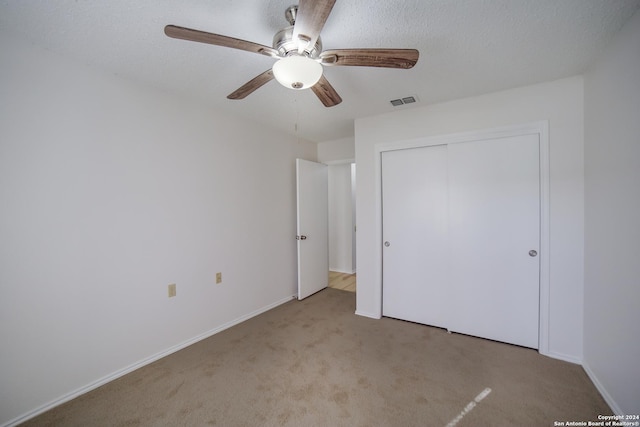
(299, 54)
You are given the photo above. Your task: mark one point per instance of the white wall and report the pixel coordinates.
(340, 219)
(560, 102)
(109, 192)
(612, 215)
(337, 151)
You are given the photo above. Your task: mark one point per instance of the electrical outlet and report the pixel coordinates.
(218, 278)
(172, 290)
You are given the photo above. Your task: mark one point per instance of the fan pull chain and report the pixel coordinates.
(295, 102)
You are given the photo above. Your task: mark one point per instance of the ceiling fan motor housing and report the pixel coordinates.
(286, 45)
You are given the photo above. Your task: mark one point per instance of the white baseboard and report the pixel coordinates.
(592, 376)
(603, 391)
(115, 375)
(369, 315)
(565, 357)
(338, 270)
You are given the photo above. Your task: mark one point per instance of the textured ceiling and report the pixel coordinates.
(467, 47)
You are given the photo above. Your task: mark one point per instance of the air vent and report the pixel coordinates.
(403, 101)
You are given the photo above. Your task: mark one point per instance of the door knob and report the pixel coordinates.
(387, 244)
(303, 237)
(532, 253)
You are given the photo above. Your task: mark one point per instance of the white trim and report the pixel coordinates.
(545, 259)
(337, 270)
(369, 315)
(564, 357)
(117, 374)
(338, 162)
(603, 391)
(541, 129)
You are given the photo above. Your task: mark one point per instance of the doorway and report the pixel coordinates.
(342, 281)
(342, 228)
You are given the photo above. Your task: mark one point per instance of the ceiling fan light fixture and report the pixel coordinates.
(297, 72)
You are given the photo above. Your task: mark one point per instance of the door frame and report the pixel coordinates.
(541, 129)
(352, 162)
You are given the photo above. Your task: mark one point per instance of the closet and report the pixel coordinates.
(461, 236)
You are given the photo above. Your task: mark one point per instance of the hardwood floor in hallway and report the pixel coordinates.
(342, 281)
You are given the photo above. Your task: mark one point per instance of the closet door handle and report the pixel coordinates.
(533, 253)
(387, 244)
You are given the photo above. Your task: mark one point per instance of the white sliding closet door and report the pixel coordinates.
(462, 222)
(494, 200)
(414, 193)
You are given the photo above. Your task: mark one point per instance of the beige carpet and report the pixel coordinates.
(315, 363)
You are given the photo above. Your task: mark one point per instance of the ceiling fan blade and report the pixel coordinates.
(218, 40)
(252, 85)
(310, 18)
(326, 93)
(387, 58)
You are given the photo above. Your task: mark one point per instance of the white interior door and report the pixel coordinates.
(414, 197)
(312, 228)
(494, 202)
